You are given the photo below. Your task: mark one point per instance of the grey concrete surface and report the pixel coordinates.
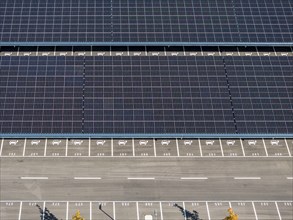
(165, 183)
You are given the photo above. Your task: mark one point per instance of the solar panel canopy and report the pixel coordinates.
(146, 22)
(146, 95)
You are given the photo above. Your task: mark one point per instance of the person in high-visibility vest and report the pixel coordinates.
(233, 215)
(77, 216)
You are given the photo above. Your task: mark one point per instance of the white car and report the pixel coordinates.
(230, 142)
(35, 142)
(187, 142)
(77, 142)
(13, 142)
(210, 142)
(122, 142)
(165, 142)
(56, 142)
(275, 142)
(143, 142)
(100, 142)
(252, 142)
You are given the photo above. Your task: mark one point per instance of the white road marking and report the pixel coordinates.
(184, 211)
(67, 204)
(133, 150)
(87, 178)
(44, 206)
(24, 145)
(278, 211)
(265, 147)
(221, 147)
(140, 178)
(247, 178)
(45, 151)
(177, 146)
(242, 147)
(34, 178)
(155, 150)
(112, 147)
(137, 211)
(20, 208)
(193, 178)
(208, 211)
(286, 146)
(253, 206)
(289, 178)
(91, 210)
(200, 150)
(89, 147)
(66, 148)
(114, 211)
(162, 218)
(1, 146)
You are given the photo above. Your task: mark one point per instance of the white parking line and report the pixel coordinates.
(221, 147)
(140, 178)
(45, 150)
(155, 150)
(253, 206)
(91, 210)
(114, 211)
(24, 145)
(89, 147)
(1, 146)
(208, 211)
(200, 150)
(289, 178)
(162, 217)
(20, 208)
(87, 178)
(184, 210)
(67, 204)
(241, 143)
(286, 146)
(137, 211)
(278, 211)
(34, 178)
(265, 147)
(193, 178)
(112, 147)
(133, 150)
(44, 207)
(247, 178)
(66, 148)
(177, 146)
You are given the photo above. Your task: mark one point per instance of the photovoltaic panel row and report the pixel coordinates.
(41, 94)
(146, 21)
(262, 91)
(162, 95)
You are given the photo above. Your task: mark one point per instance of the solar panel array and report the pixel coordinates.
(146, 21)
(146, 95)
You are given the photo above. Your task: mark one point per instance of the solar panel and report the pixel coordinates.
(145, 22)
(262, 91)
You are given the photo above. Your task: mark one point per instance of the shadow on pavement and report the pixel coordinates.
(194, 215)
(46, 214)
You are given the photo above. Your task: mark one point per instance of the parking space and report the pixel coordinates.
(218, 210)
(144, 147)
(9, 210)
(276, 147)
(166, 147)
(173, 210)
(31, 210)
(289, 143)
(78, 147)
(286, 210)
(125, 211)
(149, 210)
(244, 210)
(56, 147)
(198, 209)
(100, 147)
(254, 147)
(211, 148)
(122, 147)
(83, 207)
(266, 210)
(232, 147)
(58, 209)
(35, 147)
(12, 147)
(189, 148)
(102, 210)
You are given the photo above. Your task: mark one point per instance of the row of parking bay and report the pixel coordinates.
(259, 210)
(146, 147)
